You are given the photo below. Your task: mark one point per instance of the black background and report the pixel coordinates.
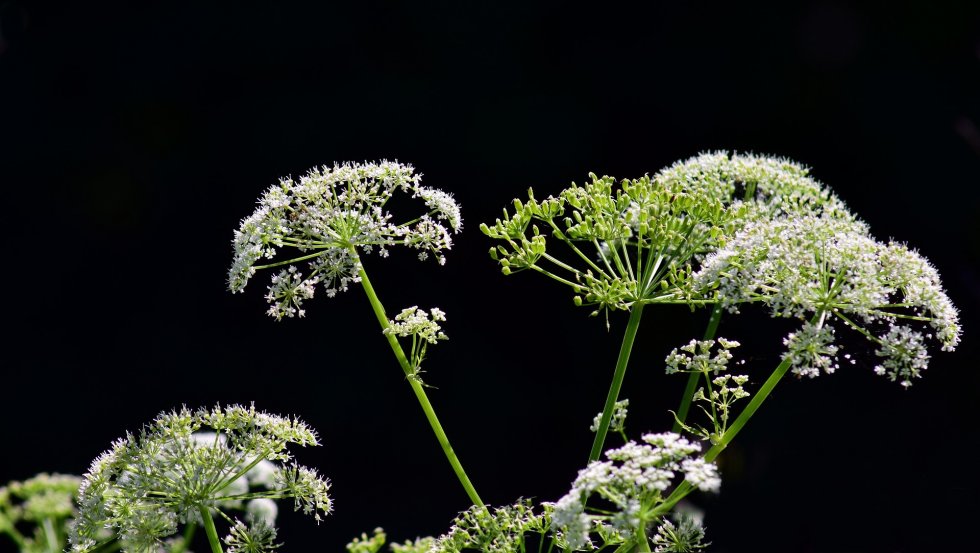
(135, 138)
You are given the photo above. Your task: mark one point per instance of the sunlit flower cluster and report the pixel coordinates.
(633, 480)
(815, 268)
(328, 217)
(189, 463)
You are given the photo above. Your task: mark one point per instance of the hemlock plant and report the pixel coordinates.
(719, 232)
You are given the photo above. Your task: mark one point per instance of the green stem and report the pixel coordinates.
(692, 379)
(767, 387)
(642, 543)
(624, 356)
(430, 414)
(210, 529)
(50, 536)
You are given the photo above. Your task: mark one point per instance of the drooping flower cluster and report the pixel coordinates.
(186, 464)
(633, 481)
(822, 268)
(330, 216)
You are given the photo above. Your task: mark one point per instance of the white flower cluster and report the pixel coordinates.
(633, 481)
(413, 321)
(188, 461)
(769, 186)
(327, 217)
(816, 267)
(618, 421)
(696, 356)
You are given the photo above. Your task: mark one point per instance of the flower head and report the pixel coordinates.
(328, 218)
(633, 480)
(188, 461)
(822, 268)
(639, 240)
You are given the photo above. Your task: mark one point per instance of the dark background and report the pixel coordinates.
(133, 140)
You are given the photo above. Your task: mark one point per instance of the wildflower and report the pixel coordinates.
(424, 330)
(633, 480)
(328, 218)
(639, 240)
(618, 421)
(186, 464)
(822, 268)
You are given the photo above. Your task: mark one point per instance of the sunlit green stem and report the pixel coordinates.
(430, 414)
(624, 356)
(211, 531)
(692, 379)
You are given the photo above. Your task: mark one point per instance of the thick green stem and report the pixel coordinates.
(642, 543)
(617, 381)
(430, 414)
(211, 531)
(692, 379)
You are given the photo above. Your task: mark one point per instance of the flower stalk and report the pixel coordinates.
(417, 387)
(210, 529)
(629, 336)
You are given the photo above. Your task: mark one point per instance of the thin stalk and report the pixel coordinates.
(692, 379)
(617, 382)
(211, 531)
(288, 261)
(423, 400)
(767, 387)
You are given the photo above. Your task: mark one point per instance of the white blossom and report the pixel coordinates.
(328, 218)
